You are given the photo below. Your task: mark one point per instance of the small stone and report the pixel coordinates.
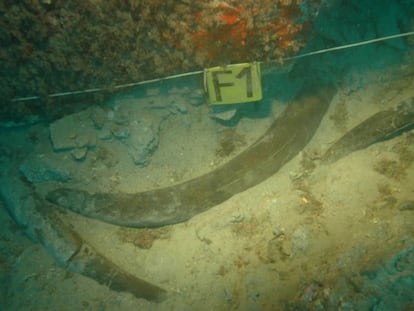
(120, 132)
(110, 115)
(224, 115)
(181, 108)
(98, 117)
(141, 153)
(142, 143)
(79, 154)
(83, 141)
(196, 102)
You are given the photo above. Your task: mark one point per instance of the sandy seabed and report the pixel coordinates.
(314, 236)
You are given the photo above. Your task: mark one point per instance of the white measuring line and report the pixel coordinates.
(341, 47)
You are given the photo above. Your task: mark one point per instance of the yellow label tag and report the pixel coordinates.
(233, 84)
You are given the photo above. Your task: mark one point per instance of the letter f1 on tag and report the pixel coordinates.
(233, 84)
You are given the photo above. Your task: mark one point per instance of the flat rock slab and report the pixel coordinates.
(38, 170)
(73, 131)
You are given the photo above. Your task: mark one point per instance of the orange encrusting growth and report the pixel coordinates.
(237, 31)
